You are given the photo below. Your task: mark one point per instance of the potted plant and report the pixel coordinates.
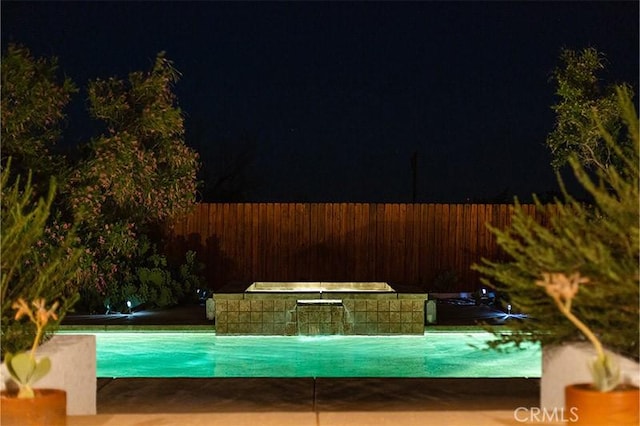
(26, 405)
(597, 237)
(33, 269)
(604, 401)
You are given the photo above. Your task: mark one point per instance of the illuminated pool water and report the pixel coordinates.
(193, 354)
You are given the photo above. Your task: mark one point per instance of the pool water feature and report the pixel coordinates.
(205, 354)
(318, 308)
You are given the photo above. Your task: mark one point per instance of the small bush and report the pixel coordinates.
(33, 266)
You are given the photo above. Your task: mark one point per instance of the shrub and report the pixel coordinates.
(34, 265)
(600, 240)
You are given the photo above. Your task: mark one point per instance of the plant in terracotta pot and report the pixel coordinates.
(33, 270)
(596, 236)
(23, 367)
(30, 406)
(605, 400)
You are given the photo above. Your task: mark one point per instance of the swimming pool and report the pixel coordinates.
(197, 354)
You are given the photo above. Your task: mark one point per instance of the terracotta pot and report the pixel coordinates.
(48, 408)
(585, 405)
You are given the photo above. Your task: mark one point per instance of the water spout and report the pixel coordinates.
(316, 316)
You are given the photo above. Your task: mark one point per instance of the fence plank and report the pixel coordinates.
(411, 244)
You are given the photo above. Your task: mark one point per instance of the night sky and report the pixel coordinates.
(332, 99)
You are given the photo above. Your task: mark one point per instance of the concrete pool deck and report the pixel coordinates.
(305, 401)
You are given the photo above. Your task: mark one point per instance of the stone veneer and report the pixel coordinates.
(279, 313)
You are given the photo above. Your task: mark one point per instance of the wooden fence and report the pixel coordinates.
(420, 245)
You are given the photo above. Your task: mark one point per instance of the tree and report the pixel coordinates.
(136, 175)
(580, 92)
(33, 98)
(141, 168)
(600, 241)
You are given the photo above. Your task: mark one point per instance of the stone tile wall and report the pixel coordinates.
(360, 313)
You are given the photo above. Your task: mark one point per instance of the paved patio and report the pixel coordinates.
(266, 401)
(351, 418)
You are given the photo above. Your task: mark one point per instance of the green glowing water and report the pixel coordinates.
(189, 354)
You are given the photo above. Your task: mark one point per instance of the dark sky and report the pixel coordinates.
(338, 96)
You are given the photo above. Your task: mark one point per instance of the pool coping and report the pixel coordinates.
(139, 327)
(212, 329)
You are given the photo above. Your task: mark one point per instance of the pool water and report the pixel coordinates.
(193, 354)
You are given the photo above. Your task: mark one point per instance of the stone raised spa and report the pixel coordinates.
(312, 308)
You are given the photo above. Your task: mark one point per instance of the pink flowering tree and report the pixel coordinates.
(134, 176)
(140, 168)
(33, 98)
(139, 173)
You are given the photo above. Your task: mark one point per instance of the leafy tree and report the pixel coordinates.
(141, 168)
(137, 175)
(580, 92)
(133, 177)
(600, 241)
(36, 262)
(33, 98)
